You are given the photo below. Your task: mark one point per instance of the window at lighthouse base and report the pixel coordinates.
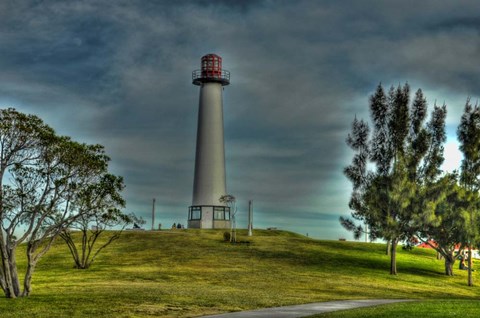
(195, 213)
(221, 213)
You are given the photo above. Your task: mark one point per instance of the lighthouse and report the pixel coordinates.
(209, 184)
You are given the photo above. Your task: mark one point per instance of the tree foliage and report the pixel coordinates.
(41, 178)
(444, 219)
(468, 133)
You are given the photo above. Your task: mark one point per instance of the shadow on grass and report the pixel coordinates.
(355, 257)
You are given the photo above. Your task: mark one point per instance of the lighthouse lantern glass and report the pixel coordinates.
(211, 66)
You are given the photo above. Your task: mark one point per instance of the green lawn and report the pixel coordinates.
(426, 309)
(188, 273)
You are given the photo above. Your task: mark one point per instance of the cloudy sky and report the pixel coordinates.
(118, 73)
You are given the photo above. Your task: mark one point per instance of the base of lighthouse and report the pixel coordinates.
(208, 217)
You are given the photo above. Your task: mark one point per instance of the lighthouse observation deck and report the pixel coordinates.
(211, 71)
(199, 77)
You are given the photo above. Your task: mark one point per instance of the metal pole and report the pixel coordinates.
(250, 217)
(153, 215)
(366, 233)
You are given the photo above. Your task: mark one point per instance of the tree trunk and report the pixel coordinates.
(27, 283)
(387, 251)
(12, 261)
(10, 273)
(10, 281)
(110, 240)
(84, 247)
(233, 236)
(72, 247)
(449, 266)
(470, 263)
(7, 277)
(31, 263)
(393, 257)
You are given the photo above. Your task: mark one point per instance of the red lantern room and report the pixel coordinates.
(211, 65)
(211, 71)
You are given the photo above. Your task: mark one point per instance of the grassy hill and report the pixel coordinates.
(188, 273)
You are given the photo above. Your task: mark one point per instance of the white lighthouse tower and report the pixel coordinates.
(206, 211)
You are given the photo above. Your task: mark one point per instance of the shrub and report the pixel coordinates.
(226, 236)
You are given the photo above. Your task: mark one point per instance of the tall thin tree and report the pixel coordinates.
(386, 197)
(468, 133)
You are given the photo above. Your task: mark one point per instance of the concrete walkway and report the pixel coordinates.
(307, 309)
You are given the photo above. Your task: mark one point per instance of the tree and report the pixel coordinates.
(98, 209)
(443, 221)
(231, 202)
(401, 150)
(41, 176)
(357, 174)
(468, 133)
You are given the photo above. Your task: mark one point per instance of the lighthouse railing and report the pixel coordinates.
(200, 76)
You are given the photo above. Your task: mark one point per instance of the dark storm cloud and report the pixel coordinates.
(57, 46)
(118, 73)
